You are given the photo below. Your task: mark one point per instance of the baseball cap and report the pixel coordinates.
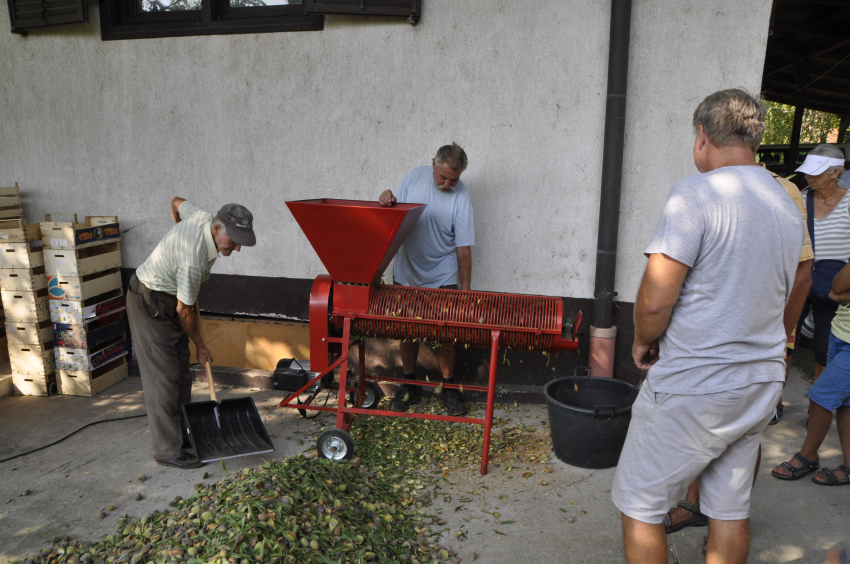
(816, 164)
(239, 223)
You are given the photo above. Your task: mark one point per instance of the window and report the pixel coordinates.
(135, 19)
(33, 14)
(409, 9)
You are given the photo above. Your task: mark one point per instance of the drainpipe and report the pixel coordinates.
(603, 333)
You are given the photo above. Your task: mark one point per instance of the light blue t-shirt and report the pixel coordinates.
(741, 235)
(428, 257)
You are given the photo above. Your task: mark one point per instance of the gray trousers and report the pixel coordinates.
(162, 349)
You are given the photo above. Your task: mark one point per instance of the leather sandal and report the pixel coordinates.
(830, 479)
(699, 520)
(797, 472)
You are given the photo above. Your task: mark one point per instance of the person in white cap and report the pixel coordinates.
(828, 201)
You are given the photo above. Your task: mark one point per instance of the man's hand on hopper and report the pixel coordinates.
(386, 198)
(645, 355)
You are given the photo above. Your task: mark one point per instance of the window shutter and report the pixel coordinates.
(33, 14)
(410, 9)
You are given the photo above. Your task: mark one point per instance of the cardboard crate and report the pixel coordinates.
(21, 255)
(33, 359)
(88, 359)
(72, 311)
(17, 231)
(29, 333)
(72, 235)
(91, 382)
(82, 287)
(88, 335)
(35, 384)
(23, 279)
(82, 262)
(26, 307)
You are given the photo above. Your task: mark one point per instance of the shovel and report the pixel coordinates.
(227, 429)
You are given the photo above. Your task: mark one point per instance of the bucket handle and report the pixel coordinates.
(603, 411)
(587, 371)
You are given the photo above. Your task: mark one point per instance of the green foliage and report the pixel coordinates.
(780, 120)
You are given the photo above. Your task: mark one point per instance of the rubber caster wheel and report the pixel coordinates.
(372, 398)
(335, 444)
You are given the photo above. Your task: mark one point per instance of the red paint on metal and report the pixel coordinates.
(355, 240)
(320, 296)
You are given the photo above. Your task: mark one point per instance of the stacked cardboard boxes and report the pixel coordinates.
(23, 287)
(87, 303)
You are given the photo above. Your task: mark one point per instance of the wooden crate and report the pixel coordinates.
(72, 235)
(17, 231)
(23, 279)
(82, 262)
(16, 212)
(72, 311)
(32, 359)
(88, 335)
(26, 307)
(29, 333)
(10, 190)
(68, 358)
(21, 255)
(82, 287)
(91, 382)
(35, 384)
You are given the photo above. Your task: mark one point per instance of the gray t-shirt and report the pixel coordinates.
(741, 234)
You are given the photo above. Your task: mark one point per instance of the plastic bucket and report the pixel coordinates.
(589, 418)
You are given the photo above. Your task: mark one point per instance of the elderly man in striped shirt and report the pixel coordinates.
(162, 319)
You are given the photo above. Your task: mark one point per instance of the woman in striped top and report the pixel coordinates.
(831, 239)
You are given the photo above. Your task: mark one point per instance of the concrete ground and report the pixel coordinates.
(570, 519)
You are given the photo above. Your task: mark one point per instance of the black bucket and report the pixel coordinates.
(589, 418)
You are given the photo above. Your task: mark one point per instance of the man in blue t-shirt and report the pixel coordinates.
(436, 254)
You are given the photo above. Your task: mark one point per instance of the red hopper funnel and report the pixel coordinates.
(355, 239)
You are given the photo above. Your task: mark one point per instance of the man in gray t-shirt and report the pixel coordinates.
(709, 328)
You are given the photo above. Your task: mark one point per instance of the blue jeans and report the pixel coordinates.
(832, 388)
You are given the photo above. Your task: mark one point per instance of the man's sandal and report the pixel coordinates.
(699, 520)
(797, 472)
(831, 479)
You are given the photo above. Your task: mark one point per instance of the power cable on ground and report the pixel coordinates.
(74, 433)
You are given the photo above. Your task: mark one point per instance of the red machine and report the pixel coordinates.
(356, 240)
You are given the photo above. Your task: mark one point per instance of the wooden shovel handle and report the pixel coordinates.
(207, 365)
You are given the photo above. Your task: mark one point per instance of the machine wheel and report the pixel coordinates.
(373, 396)
(335, 444)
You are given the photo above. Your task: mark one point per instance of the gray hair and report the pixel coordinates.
(731, 117)
(453, 156)
(832, 152)
(215, 222)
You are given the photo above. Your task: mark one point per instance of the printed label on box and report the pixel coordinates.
(63, 242)
(73, 312)
(78, 359)
(75, 335)
(92, 234)
(54, 242)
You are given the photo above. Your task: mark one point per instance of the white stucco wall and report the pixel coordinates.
(119, 127)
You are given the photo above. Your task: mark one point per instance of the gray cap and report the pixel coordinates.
(239, 223)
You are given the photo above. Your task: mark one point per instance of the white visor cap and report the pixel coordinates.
(815, 165)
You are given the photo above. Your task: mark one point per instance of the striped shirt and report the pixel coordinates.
(832, 233)
(183, 258)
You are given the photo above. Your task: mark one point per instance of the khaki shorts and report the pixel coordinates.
(674, 438)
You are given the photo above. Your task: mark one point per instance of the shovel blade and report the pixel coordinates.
(228, 429)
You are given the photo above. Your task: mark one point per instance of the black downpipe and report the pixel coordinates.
(612, 164)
